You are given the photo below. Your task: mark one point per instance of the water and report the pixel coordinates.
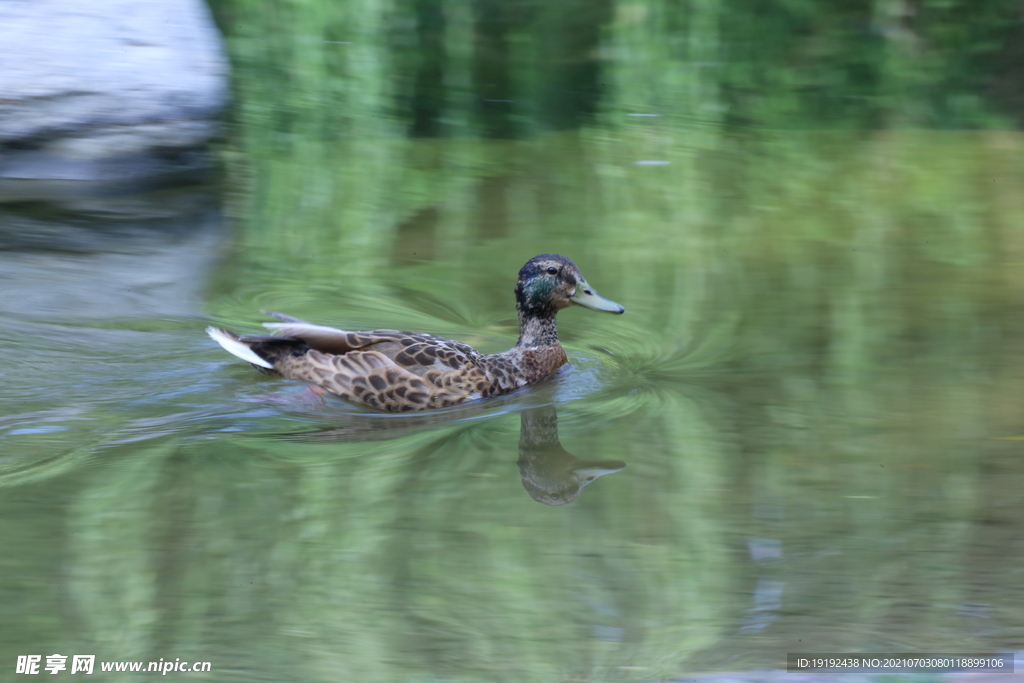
(815, 394)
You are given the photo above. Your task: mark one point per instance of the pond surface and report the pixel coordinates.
(810, 419)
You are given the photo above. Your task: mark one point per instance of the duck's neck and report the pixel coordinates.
(538, 427)
(537, 328)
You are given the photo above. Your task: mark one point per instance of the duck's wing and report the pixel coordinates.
(418, 353)
(389, 369)
(328, 339)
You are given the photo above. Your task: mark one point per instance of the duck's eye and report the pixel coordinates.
(552, 270)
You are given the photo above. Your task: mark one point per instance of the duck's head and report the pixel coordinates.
(550, 282)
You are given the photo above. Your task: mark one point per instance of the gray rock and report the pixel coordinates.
(107, 89)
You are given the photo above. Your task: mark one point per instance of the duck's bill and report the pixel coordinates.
(585, 475)
(586, 296)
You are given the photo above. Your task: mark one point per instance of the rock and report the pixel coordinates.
(107, 89)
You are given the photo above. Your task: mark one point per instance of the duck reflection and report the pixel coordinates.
(551, 474)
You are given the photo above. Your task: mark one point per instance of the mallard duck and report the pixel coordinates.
(404, 371)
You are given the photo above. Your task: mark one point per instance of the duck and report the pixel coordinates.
(409, 371)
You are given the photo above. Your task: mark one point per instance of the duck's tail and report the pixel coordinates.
(238, 346)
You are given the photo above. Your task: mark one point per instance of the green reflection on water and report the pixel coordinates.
(815, 388)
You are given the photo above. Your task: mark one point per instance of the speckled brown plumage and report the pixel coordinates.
(406, 371)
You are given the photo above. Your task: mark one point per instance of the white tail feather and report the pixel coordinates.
(235, 347)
